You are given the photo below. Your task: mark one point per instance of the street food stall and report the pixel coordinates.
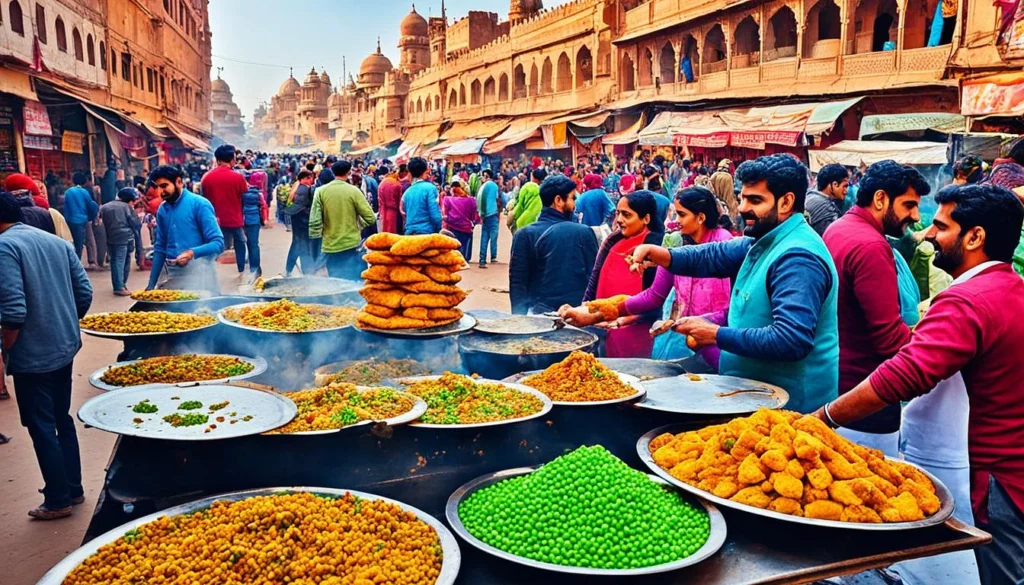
(550, 464)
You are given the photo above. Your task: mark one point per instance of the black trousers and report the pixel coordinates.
(44, 403)
(1001, 562)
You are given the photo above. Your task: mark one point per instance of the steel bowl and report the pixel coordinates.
(520, 325)
(543, 411)
(306, 289)
(632, 381)
(259, 366)
(711, 394)
(223, 319)
(149, 335)
(452, 556)
(419, 406)
(716, 537)
(943, 493)
(488, 354)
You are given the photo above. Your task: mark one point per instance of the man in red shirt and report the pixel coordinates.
(972, 328)
(224, 188)
(871, 329)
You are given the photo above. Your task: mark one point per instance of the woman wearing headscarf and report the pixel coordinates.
(611, 280)
(18, 181)
(459, 214)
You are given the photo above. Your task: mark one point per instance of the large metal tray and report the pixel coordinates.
(419, 407)
(943, 493)
(112, 412)
(466, 323)
(321, 374)
(700, 394)
(259, 366)
(716, 537)
(237, 325)
(452, 556)
(122, 336)
(632, 381)
(543, 411)
(645, 369)
(520, 325)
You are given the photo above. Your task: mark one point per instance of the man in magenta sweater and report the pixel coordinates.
(972, 328)
(870, 327)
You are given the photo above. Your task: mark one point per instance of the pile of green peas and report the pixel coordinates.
(586, 509)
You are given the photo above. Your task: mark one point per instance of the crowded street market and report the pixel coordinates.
(691, 330)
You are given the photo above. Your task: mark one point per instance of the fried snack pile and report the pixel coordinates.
(164, 296)
(176, 369)
(410, 283)
(794, 464)
(579, 378)
(283, 538)
(457, 400)
(607, 308)
(145, 322)
(286, 315)
(372, 371)
(340, 405)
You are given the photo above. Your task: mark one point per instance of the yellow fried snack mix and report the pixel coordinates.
(579, 378)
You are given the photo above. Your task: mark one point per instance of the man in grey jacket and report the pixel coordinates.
(120, 222)
(824, 206)
(43, 293)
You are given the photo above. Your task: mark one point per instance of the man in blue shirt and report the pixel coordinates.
(782, 326)
(44, 291)
(80, 208)
(594, 204)
(419, 202)
(188, 239)
(487, 205)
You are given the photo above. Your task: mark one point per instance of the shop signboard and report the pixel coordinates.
(37, 119)
(73, 142)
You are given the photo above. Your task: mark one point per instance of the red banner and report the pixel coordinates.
(37, 119)
(713, 140)
(754, 140)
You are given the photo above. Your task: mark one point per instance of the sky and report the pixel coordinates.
(256, 41)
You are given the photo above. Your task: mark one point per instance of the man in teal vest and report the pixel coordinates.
(781, 326)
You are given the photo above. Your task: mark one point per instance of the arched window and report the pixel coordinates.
(419, 105)
(490, 91)
(584, 67)
(17, 18)
(90, 50)
(503, 88)
(462, 94)
(646, 67)
(437, 102)
(874, 25)
(453, 99)
(474, 92)
(667, 64)
(780, 35)
(426, 104)
(62, 35)
(534, 80)
(821, 37)
(714, 51)
(76, 41)
(41, 23)
(519, 82)
(923, 26)
(545, 77)
(563, 80)
(747, 44)
(103, 56)
(627, 73)
(690, 60)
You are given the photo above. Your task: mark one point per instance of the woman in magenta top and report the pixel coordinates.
(459, 215)
(628, 335)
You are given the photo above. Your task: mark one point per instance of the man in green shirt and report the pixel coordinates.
(528, 204)
(339, 213)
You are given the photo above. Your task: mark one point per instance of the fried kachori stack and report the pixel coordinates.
(411, 282)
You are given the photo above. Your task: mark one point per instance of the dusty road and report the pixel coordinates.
(29, 548)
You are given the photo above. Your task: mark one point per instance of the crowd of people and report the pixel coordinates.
(836, 289)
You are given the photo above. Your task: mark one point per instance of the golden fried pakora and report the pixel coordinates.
(416, 245)
(444, 314)
(432, 301)
(416, 313)
(391, 299)
(390, 323)
(389, 259)
(441, 274)
(607, 308)
(451, 258)
(382, 241)
(379, 311)
(430, 286)
(396, 274)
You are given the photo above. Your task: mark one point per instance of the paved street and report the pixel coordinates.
(29, 548)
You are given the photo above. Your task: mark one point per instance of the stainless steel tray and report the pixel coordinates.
(419, 407)
(520, 325)
(237, 325)
(645, 369)
(632, 381)
(466, 323)
(112, 412)
(122, 336)
(204, 295)
(943, 493)
(707, 394)
(543, 411)
(716, 537)
(452, 556)
(259, 366)
(321, 374)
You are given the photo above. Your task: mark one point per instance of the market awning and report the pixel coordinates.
(423, 134)
(475, 129)
(628, 135)
(995, 95)
(406, 151)
(188, 138)
(519, 129)
(854, 153)
(102, 116)
(912, 123)
(17, 83)
(465, 147)
(366, 150)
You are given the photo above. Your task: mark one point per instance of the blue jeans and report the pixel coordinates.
(235, 238)
(138, 246)
(120, 264)
(466, 241)
(348, 265)
(301, 249)
(78, 236)
(1001, 562)
(489, 234)
(44, 404)
(252, 243)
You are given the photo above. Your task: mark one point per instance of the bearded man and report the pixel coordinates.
(781, 325)
(188, 239)
(871, 307)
